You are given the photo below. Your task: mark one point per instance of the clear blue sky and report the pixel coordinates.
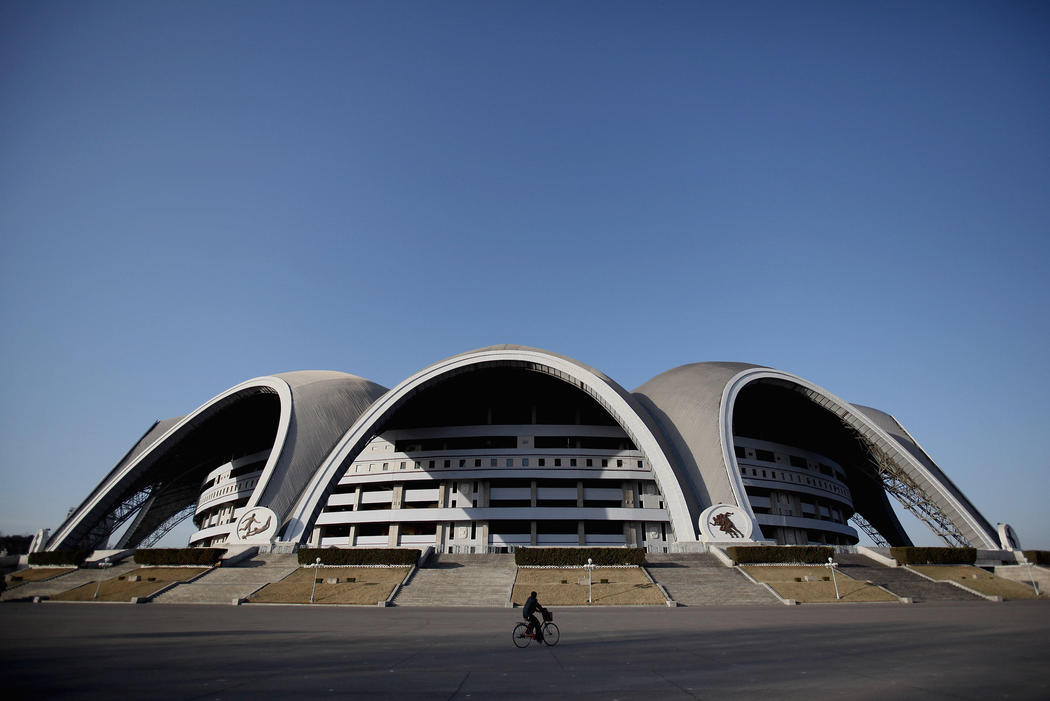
(196, 193)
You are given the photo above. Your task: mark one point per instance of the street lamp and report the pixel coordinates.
(102, 569)
(317, 563)
(590, 572)
(1035, 584)
(831, 566)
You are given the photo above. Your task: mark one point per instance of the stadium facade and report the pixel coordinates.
(509, 445)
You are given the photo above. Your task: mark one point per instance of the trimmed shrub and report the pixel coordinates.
(73, 558)
(574, 557)
(934, 556)
(204, 557)
(359, 556)
(1037, 557)
(760, 554)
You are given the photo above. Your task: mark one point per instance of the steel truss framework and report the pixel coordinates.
(166, 527)
(105, 527)
(873, 533)
(911, 496)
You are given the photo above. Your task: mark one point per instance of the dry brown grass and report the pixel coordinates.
(371, 585)
(152, 579)
(790, 574)
(35, 574)
(784, 581)
(979, 580)
(626, 586)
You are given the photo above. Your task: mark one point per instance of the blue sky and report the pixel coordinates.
(194, 194)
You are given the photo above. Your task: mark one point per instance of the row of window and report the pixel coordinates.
(234, 473)
(467, 463)
(495, 528)
(797, 478)
(228, 489)
(794, 460)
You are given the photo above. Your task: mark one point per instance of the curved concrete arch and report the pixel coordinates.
(946, 496)
(617, 401)
(327, 400)
(694, 405)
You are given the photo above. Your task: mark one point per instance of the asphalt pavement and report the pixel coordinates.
(957, 650)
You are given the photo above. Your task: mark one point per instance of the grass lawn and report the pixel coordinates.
(35, 574)
(151, 579)
(626, 586)
(979, 580)
(370, 586)
(785, 580)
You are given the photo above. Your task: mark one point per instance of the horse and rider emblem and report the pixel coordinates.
(725, 522)
(726, 525)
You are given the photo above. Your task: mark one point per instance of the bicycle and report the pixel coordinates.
(551, 634)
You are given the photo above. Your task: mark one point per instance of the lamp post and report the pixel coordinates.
(831, 566)
(317, 563)
(102, 569)
(1035, 584)
(590, 572)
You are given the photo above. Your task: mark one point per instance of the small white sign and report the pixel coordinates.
(256, 525)
(724, 522)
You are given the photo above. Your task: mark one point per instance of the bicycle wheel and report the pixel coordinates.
(551, 634)
(519, 637)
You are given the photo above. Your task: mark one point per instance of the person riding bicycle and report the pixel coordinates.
(529, 614)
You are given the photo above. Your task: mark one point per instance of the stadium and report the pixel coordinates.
(508, 446)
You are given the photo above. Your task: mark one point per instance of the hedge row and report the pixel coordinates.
(934, 556)
(574, 557)
(73, 558)
(179, 556)
(811, 554)
(359, 556)
(1038, 557)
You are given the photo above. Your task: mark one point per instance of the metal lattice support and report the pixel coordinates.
(911, 496)
(166, 527)
(106, 526)
(876, 537)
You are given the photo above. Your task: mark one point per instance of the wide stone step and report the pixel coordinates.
(224, 584)
(700, 579)
(901, 581)
(460, 580)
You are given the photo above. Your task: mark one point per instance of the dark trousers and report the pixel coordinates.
(536, 627)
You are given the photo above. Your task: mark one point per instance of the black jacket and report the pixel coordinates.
(531, 606)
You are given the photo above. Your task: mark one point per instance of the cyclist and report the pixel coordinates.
(529, 614)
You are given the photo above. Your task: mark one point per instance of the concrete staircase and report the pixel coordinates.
(1026, 575)
(900, 581)
(224, 584)
(460, 580)
(699, 579)
(66, 582)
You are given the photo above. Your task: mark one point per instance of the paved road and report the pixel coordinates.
(958, 650)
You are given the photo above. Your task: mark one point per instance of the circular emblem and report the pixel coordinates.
(1008, 539)
(723, 522)
(256, 525)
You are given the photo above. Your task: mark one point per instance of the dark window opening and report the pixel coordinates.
(373, 529)
(423, 528)
(603, 527)
(510, 527)
(584, 443)
(340, 530)
(555, 527)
